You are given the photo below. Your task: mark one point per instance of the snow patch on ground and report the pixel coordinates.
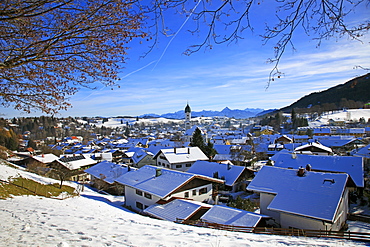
(94, 219)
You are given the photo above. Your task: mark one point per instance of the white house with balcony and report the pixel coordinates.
(149, 185)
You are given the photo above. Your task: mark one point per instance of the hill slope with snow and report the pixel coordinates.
(345, 115)
(93, 219)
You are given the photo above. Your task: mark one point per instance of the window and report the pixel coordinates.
(194, 192)
(186, 195)
(188, 165)
(203, 191)
(178, 166)
(139, 205)
(139, 192)
(147, 195)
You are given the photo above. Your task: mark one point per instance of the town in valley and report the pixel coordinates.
(289, 171)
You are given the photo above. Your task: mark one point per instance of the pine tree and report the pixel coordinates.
(197, 139)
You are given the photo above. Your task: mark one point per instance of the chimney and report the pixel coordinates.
(158, 172)
(174, 149)
(188, 150)
(228, 166)
(301, 172)
(308, 167)
(294, 155)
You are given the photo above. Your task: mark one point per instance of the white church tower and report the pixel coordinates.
(187, 117)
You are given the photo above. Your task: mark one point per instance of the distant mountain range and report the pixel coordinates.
(356, 89)
(226, 112)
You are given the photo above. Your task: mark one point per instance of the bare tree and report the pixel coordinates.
(225, 21)
(51, 48)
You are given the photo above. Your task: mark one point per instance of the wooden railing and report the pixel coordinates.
(355, 236)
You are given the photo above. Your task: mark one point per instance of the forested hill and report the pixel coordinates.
(352, 94)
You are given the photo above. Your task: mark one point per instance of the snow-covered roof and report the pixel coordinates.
(314, 145)
(223, 157)
(222, 149)
(232, 216)
(316, 194)
(177, 209)
(139, 155)
(351, 165)
(108, 171)
(336, 142)
(230, 172)
(74, 162)
(145, 179)
(363, 152)
(180, 155)
(45, 158)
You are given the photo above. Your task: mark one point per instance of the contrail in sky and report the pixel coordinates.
(174, 36)
(139, 69)
(133, 72)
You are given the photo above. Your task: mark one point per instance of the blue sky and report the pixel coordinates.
(233, 75)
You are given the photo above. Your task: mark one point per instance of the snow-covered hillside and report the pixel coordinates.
(93, 219)
(346, 115)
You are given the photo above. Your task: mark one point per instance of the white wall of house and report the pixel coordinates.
(134, 200)
(265, 200)
(163, 162)
(139, 201)
(182, 166)
(300, 222)
(176, 166)
(342, 212)
(200, 194)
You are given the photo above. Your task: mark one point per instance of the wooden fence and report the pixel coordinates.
(355, 236)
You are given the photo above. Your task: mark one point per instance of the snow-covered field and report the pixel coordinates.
(352, 114)
(93, 219)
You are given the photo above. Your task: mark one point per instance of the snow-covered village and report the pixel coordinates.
(216, 181)
(230, 123)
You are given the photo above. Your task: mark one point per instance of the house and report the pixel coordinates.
(39, 163)
(303, 199)
(234, 217)
(314, 148)
(364, 153)
(72, 166)
(274, 148)
(150, 184)
(235, 158)
(234, 176)
(104, 174)
(353, 166)
(143, 157)
(179, 158)
(284, 139)
(356, 132)
(322, 131)
(178, 209)
(341, 144)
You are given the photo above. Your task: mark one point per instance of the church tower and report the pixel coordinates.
(187, 116)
